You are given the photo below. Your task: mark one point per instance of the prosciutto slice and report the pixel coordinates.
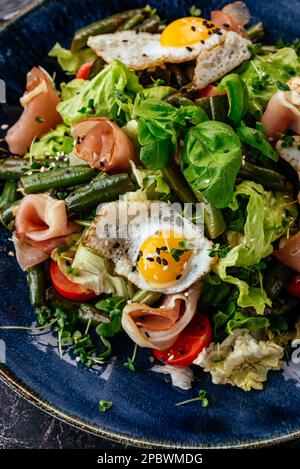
(103, 145)
(159, 328)
(39, 115)
(289, 253)
(283, 111)
(233, 17)
(41, 226)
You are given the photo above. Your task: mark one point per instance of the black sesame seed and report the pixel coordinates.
(202, 42)
(158, 260)
(116, 245)
(193, 28)
(133, 269)
(190, 49)
(101, 164)
(179, 222)
(209, 33)
(226, 25)
(164, 248)
(157, 251)
(150, 259)
(146, 334)
(164, 261)
(145, 55)
(178, 277)
(125, 40)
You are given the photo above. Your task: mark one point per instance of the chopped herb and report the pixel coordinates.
(39, 119)
(177, 253)
(201, 398)
(220, 251)
(287, 141)
(282, 86)
(129, 364)
(194, 11)
(105, 405)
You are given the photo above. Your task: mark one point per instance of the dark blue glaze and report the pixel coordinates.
(144, 404)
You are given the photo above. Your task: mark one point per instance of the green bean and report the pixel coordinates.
(178, 184)
(150, 25)
(179, 76)
(217, 107)
(9, 194)
(36, 285)
(13, 168)
(256, 32)
(102, 188)
(88, 313)
(214, 221)
(276, 278)
(179, 99)
(85, 311)
(103, 26)
(7, 215)
(146, 297)
(267, 177)
(97, 66)
(132, 22)
(57, 178)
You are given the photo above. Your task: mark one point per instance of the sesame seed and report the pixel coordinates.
(11, 254)
(158, 250)
(155, 277)
(193, 28)
(186, 294)
(190, 49)
(133, 269)
(178, 277)
(158, 260)
(165, 267)
(164, 248)
(4, 126)
(150, 259)
(164, 261)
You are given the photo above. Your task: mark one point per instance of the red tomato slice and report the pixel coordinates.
(194, 338)
(83, 70)
(293, 288)
(68, 289)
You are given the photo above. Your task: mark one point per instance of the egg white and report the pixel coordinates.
(106, 237)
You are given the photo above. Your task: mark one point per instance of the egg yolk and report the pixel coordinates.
(186, 32)
(163, 258)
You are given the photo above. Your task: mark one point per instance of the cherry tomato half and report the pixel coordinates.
(66, 288)
(84, 70)
(194, 338)
(293, 287)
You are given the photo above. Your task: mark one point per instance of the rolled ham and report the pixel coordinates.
(283, 111)
(289, 252)
(39, 115)
(233, 17)
(158, 328)
(103, 145)
(41, 226)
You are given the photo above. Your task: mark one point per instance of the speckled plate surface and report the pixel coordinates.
(144, 411)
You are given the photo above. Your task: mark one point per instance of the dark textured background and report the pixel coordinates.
(24, 426)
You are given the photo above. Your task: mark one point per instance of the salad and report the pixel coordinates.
(153, 192)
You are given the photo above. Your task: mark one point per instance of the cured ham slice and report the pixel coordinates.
(39, 115)
(159, 328)
(103, 145)
(41, 226)
(233, 17)
(283, 111)
(289, 253)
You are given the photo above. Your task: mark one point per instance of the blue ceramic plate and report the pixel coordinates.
(144, 411)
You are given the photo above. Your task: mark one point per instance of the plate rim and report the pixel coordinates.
(8, 378)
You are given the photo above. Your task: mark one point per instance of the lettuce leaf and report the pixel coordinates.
(210, 161)
(71, 61)
(58, 140)
(264, 71)
(152, 183)
(73, 87)
(264, 224)
(99, 98)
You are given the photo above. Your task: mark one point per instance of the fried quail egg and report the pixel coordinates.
(150, 244)
(181, 41)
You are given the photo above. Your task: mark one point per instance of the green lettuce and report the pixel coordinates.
(99, 98)
(266, 212)
(71, 61)
(263, 73)
(72, 88)
(53, 142)
(152, 183)
(210, 161)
